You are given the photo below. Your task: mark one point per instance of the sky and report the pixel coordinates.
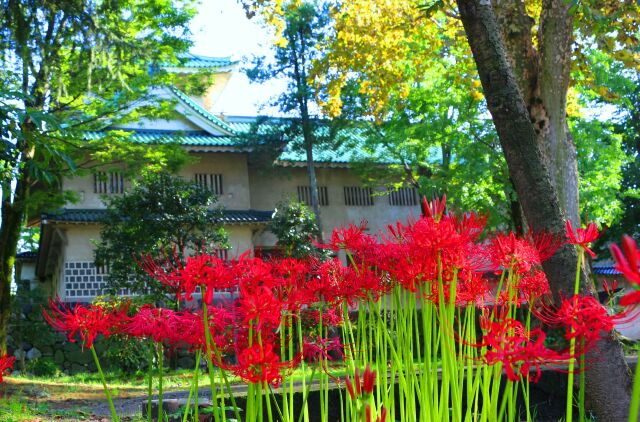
(221, 29)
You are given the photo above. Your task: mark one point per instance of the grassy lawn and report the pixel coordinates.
(75, 397)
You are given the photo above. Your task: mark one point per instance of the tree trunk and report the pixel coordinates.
(608, 380)
(313, 181)
(13, 213)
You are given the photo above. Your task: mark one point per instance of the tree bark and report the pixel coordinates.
(608, 380)
(13, 214)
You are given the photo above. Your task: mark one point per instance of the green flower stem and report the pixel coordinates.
(194, 387)
(305, 409)
(212, 382)
(150, 384)
(306, 394)
(635, 396)
(114, 415)
(283, 357)
(572, 350)
(160, 379)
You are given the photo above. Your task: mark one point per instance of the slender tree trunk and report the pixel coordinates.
(13, 213)
(608, 381)
(302, 94)
(313, 181)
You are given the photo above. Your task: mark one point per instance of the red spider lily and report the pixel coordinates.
(473, 289)
(508, 342)
(87, 321)
(582, 316)
(610, 290)
(330, 317)
(259, 364)
(166, 326)
(352, 238)
(259, 306)
(164, 271)
(627, 259)
(583, 237)
(434, 209)
(319, 349)
(509, 251)
(546, 244)
(209, 272)
(532, 286)
(357, 388)
(381, 418)
(6, 363)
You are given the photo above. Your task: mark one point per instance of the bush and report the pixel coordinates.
(43, 367)
(127, 354)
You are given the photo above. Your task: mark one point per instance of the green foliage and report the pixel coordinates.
(43, 367)
(440, 140)
(306, 25)
(600, 159)
(126, 354)
(68, 67)
(163, 216)
(295, 226)
(609, 146)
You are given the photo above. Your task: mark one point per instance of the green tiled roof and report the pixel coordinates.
(80, 215)
(202, 111)
(195, 61)
(187, 138)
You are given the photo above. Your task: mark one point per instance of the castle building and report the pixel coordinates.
(64, 263)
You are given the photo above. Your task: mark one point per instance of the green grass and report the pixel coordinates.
(14, 409)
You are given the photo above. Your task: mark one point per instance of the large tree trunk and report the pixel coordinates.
(608, 380)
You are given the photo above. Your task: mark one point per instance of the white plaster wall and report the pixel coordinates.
(240, 239)
(179, 123)
(79, 245)
(232, 166)
(269, 188)
(235, 176)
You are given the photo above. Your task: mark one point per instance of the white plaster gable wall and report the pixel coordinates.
(179, 123)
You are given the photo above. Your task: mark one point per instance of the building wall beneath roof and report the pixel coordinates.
(78, 279)
(267, 189)
(235, 176)
(232, 167)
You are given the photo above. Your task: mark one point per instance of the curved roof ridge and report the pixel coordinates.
(189, 102)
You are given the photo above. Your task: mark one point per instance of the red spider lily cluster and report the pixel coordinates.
(6, 363)
(438, 258)
(628, 263)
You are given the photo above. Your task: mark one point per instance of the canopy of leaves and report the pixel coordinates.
(72, 66)
(162, 216)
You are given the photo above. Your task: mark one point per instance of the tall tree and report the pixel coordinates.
(68, 67)
(305, 27)
(524, 53)
(540, 188)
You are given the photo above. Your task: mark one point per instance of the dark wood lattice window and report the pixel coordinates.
(358, 196)
(304, 195)
(404, 197)
(108, 183)
(210, 181)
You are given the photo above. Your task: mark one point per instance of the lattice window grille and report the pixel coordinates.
(358, 196)
(304, 195)
(210, 181)
(82, 280)
(108, 183)
(404, 197)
